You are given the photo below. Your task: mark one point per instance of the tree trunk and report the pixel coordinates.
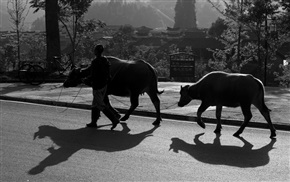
(52, 32)
(260, 65)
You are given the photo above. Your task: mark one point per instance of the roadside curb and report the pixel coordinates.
(278, 126)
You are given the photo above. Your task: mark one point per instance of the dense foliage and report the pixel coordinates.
(8, 57)
(247, 40)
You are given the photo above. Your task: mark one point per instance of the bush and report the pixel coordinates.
(8, 58)
(284, 78)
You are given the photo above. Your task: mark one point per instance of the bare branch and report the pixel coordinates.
(17, 10)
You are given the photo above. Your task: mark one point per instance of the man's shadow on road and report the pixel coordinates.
(71, 141)
(217, 154)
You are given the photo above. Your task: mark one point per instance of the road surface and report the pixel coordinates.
(44, 143)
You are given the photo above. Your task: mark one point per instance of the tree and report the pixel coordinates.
(51, 27)
(283, 22)
(17, 9)
(185, 15)
(217, 28)
(70, 14)
(119, 45)
(8, 55)
(254, 17)
(36, 47)
(52, 30)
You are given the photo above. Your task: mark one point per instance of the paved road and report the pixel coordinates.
(277, 100)
(44, 143)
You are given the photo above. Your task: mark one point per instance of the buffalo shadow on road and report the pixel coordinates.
(70, 141)
(217, 154)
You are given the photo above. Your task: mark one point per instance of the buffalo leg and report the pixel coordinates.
(265, 112)
(156, 102)
(200, 110)
(247, 145)
(110, 114)
(246, 109)
(218, 114)
(134, 99)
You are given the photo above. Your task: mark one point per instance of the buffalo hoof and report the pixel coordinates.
(217, 131)
(92, 125)
(273, 134)
(156, 123)
(201, 124)
(114, 126)
(237, 134)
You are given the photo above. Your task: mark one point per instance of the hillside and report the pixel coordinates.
(153, 14)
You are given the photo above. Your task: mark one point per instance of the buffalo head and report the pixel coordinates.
(184, 96)
(74, 78)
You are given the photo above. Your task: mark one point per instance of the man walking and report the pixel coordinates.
(99, 78)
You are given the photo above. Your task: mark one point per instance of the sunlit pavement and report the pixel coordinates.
(277, 99)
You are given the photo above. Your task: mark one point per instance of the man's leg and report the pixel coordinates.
(98, 102)
(95, 115)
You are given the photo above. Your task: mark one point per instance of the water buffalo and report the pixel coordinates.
(227, 89)
(128, 79)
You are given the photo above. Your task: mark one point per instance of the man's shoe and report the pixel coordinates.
(92, 125)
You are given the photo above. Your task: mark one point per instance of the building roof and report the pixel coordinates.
(150, 41)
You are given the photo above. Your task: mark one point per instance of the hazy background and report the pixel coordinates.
(163, 14)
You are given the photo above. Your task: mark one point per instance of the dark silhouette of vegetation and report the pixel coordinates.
(217, 28)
